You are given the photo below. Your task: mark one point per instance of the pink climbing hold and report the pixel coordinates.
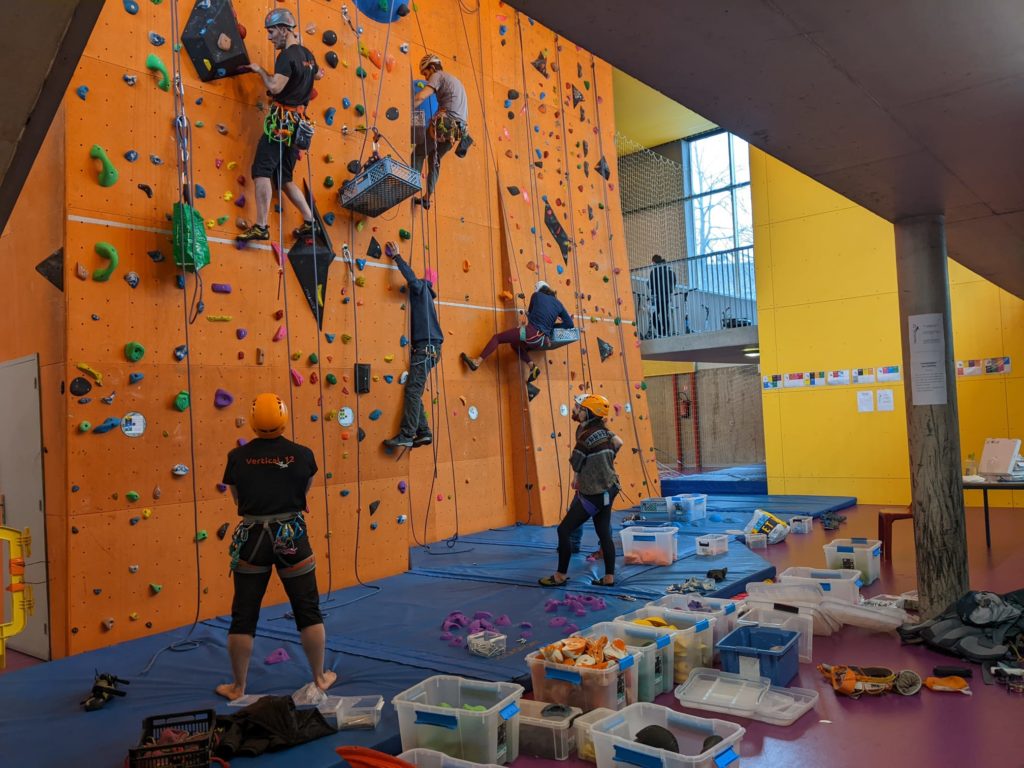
(297, 378)
(280, 333)
(430, 275)
(440, 497)
(278, 656)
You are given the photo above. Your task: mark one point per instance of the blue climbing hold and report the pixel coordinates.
(373, 526)
(540, 155)
(135, 378)
(533, 230)
(155, 160)
(156, 39)
(107, 425)
(199, 101)
(346, 102)
(543, 95)
(95, 316)
(329, 337)
(75, 489)
(375, 414)
(200, 192)
(131, 6)
(361, 264)
(502, 29)
(329, 218)
(129, 79)
(84, 400)
(180, 352)
(559, 268)
(314, 417)
(536, 129)
(388, 378)
(508, 103)
(82, 91)
(221, 72)
(131, 155)
(179, 280)
(404, 342)
(135, 520)
(329, 115)
(345, 492)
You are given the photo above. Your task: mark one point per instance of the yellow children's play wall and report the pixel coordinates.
(827, 300)
(132, 561)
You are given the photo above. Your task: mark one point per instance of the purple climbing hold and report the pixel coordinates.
(526, 635)
(503, 620)
(221, 288)
(240, 201)
(456, 642)
(276, 657)
(402, 486)
(241, 333)
(82, 91)
(557, 621)
(222, 398)
(446, 636)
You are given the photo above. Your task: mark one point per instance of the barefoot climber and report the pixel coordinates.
(290, 88)
(269, 478)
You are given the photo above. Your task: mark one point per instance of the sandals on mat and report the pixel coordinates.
(551, 581)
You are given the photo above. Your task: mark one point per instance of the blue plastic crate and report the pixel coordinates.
(381, 186)
(754, 651)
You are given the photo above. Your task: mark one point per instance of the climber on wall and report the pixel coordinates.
(447, 128)
(286, 129)
(596, 483)
(425, 350)
(269, 478)
(545, 314)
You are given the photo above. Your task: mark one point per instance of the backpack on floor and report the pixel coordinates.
(979, 627)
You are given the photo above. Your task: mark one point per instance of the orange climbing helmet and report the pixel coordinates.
(269, 415)
(280, 17)
(430, 60)
(596, 404)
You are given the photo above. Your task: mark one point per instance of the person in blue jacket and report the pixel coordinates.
(545, 314)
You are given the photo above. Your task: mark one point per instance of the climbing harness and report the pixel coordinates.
(445, 129)
(290, 126)
(873, 681)
(285, 530)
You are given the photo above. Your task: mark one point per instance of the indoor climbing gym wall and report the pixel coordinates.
(162, 362)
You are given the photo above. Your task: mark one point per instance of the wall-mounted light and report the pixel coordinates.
(751, 352)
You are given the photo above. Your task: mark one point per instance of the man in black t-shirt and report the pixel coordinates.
(269, 478)
(290, 88)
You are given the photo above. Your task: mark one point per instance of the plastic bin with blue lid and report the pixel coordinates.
(613, 687)
(649, 545)
(584, 737)
(783, 617)
(753, 652)
(655, 649)
(864, 555)
(723, 609)
(687, 507)
(693, 636)
(430, 758)
(468, 719)
(837, 583)
(616, 745)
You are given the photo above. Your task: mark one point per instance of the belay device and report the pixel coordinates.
(381, 185)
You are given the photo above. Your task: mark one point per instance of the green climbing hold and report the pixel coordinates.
(155, 64)
(132, 495)
(404, 234)
(108, 173)
(360, 72)
(643, 385)
(201, 535)
(331, 378)
(222, 220)
(84, 426)
(360, 109)
(182, 400)
(156, 588)
(134, 351)
(618, 320)
(199, 123)
(328, 181)
(313, 358)
(586, 84)
(108, 252)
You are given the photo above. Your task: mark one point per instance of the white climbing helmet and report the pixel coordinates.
(540, 284)
(430, 60)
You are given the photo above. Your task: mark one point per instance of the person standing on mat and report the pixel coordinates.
(269, 478)
(597, 485)
(545, 314)
(290, 88)
(425, 350)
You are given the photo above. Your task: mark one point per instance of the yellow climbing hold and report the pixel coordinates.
(388, 358)
(232, 165)
(147, 513)
(86, 368)
(219, 318)
(228, 196)
(360, 281)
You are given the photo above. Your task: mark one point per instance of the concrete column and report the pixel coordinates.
(940, 536)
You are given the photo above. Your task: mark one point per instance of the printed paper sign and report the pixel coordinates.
(997, 365)
(839, 377)
(885, 400)
(771, 382)
(888, 373)
(863, 375)
(968, 367)
(817, 378)
(865, 401)
(927, 359)
(795, 380)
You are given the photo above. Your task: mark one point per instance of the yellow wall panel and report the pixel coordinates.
(788, 196)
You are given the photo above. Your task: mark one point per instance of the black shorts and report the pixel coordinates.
(271, 156)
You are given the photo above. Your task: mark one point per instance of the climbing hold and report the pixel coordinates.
(135, 378)
(128, 79)
(328, 181)
(279, 333)
(201, 535)
(133, 351)
(604, 349)
(155, 64)
(329, 218)
(373, 526)
(148, 190)
(155, 588)
(82, 91)
(179, 470)
(332, 59)
(360, 109)
(221, 288)
(156, 160)
(404, 234)
(373, 505)
(84, 426)
(108, 252)
(514, 191)
(313, 358)
(182, 400)
(156, 39)
(329, 115)
(360, 72)
(180, 352)
(222, 398)
(156, 256)
(80, 386)
(329, 37)
(87, 369)
(391, 113)
(108, 173)
(375, 414)
(107, 624)
(297, 378)
(106, 426)
(346, 102)
(473, 413)
(360, 281)
(131, 155)
(361, 435)
(404, 377)
(223, 530)
(132, 278)
(131, 7)
(133, 568)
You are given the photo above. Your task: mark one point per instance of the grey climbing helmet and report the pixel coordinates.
(280, 17)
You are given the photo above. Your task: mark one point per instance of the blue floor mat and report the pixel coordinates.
(778, 504)
(43, 725)
(731, 480)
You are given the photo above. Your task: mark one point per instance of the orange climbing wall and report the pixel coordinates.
(510, 463)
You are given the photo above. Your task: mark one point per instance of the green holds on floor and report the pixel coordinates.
(108, 252)
(108, 173)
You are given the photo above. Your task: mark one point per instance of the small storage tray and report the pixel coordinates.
(728, 693)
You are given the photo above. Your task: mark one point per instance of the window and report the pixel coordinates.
(719, 223)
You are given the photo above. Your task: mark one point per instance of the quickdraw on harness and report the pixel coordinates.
(874, 681)
(288, 125)
(445, 129)
(287, 530)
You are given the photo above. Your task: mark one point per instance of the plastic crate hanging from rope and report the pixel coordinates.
(382, 185)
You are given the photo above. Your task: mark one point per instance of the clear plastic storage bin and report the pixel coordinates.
(693, 638)
(864, 555)
(838, 584)
(655, 650)
(793, 620)
(757, 540)
(616, 745)
(687, 507)
(434, 714)
(584, 738)
(646, 545)
(429, 758)
(546, 730)
(614, 687)
(754, 652)
(712, 544)
(801, 524)
(725, 611)
(352, 712)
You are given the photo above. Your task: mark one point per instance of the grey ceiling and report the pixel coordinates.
(906, 107)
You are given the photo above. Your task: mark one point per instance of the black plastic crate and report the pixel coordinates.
(188, 754)
(380, 187)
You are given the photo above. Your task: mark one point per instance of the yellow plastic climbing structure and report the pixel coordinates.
(19, 547)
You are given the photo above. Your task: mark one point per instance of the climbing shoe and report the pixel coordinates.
(306, 230)
(398, 441)
(468, 361)
(255, 232)
(424, 439)
(534, 373)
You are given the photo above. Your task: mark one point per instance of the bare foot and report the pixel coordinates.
(328, 679)
(230, 691)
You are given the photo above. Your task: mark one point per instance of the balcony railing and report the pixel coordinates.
(696, 295)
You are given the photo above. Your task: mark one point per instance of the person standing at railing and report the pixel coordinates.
(662, 283)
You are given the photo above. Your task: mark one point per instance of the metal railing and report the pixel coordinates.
(696, 295)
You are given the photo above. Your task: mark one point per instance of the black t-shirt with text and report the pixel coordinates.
(297, 64)
(270, 476)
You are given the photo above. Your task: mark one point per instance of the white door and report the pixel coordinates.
(21, 491)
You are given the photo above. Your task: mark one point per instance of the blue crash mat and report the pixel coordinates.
(731, 480)
(42, 723)
(785, 506)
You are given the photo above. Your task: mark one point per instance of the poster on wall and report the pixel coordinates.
(816, 378)
(968, 367)
(997, 365)
(888, 373)
(885, 400)
(863, 375)
(839, 377)
(795, 380)
(865, 401)
(927, 336)
(774, 381)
